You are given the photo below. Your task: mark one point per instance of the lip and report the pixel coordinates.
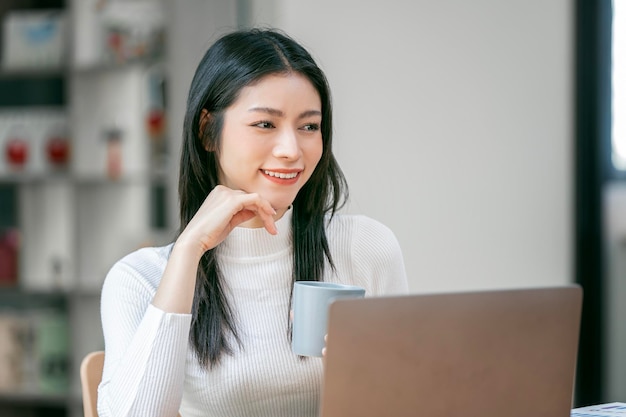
(282, 181)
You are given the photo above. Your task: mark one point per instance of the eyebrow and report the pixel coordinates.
(279, 113)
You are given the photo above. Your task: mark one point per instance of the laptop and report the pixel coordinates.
(495, 353)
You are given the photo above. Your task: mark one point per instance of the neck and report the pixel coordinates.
(246, 242)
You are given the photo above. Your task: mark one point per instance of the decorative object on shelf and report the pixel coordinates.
(34, 39)
(11, 352)
(117, 32)
(113, 137)
(156, 118)
(34, 351)
(52, 351)
(58, 151)
(132, 30)
(16, 152)
(155, 123)
(9, 244)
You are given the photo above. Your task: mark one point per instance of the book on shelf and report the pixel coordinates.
(34, 352)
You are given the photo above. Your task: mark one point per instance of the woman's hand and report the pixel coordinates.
(325, 336)
(222, 211)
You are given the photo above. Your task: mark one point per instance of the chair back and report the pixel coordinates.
(90, 377)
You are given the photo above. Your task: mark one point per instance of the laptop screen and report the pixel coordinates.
(482, 353)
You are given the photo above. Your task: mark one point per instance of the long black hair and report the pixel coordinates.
(236, 60)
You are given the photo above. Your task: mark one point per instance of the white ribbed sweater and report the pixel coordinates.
(150, 368)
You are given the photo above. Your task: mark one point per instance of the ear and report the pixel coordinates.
(205, 119)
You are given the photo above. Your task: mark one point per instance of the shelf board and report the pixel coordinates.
(34, 397)
(27, 178)
(62, 72)
(108, 66)
(32, 73)
(66, 177)
(128, 179)
(16, 299)
(52, 294)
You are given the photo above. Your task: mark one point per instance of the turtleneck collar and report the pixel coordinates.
(245, 242)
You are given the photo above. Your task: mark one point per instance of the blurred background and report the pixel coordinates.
(488, 135)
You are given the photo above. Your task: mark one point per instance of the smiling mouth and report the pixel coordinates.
(281, 175)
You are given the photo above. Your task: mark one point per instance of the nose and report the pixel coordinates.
(287, 146)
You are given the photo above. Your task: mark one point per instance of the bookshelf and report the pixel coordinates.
(70, 209)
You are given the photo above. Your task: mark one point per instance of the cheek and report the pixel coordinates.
(314, 152)
(313, 156)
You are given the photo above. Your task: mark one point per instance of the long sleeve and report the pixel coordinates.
(146, 348)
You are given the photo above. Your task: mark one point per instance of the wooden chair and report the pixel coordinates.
(90, 377)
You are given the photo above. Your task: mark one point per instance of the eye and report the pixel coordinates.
(264, 125)
(311, 127)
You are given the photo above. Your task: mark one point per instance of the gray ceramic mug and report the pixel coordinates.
(311, 301)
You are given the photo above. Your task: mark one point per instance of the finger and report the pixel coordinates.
(266, 213)
(270, 225)
(324, 348)
(242, 216)
(253, 199)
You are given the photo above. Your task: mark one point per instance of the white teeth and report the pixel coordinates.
(281, 174)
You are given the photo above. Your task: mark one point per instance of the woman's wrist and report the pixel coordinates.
(176, 290)
(188, 248)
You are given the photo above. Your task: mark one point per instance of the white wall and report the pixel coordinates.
(192, 26)
(453, 123)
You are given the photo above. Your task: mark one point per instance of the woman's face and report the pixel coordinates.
(271, 138)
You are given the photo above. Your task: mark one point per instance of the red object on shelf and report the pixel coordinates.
(115, 41)
(155, 122)
(8, 257)
(16, 152)
(58, 150)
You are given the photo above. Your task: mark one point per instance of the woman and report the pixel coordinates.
(202, 325)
